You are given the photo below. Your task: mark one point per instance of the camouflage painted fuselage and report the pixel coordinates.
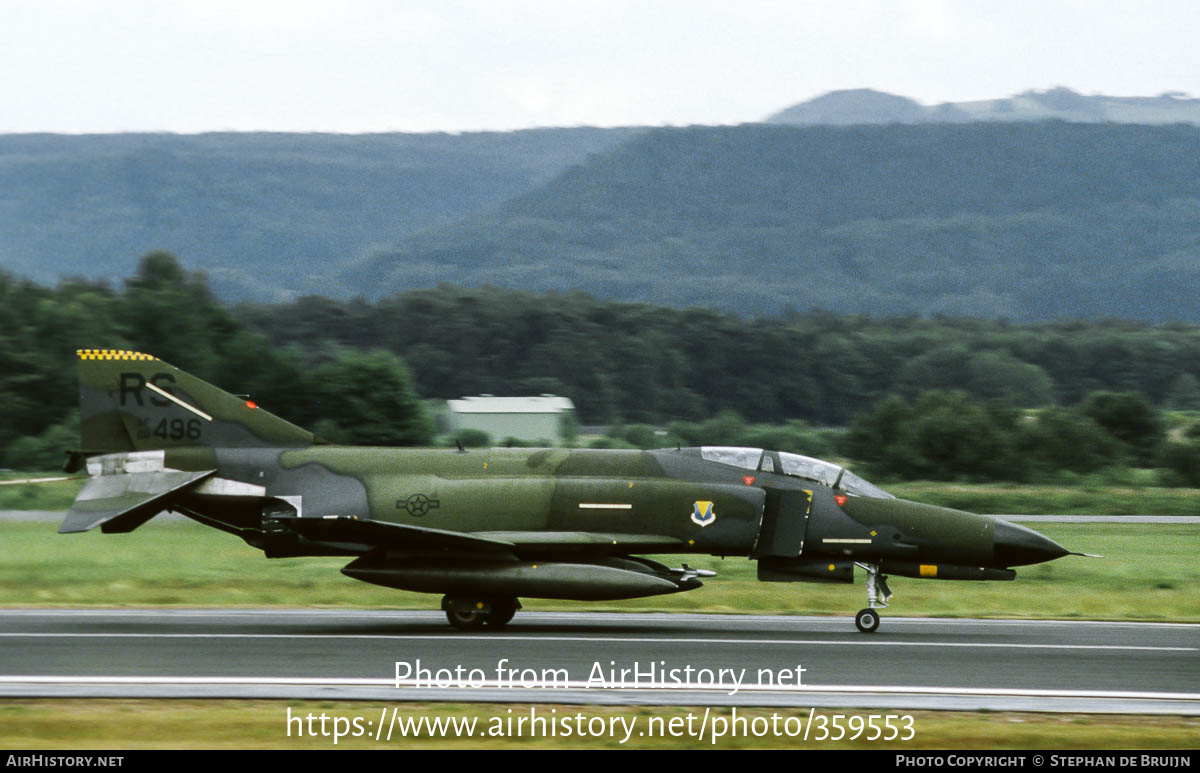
(496, 523)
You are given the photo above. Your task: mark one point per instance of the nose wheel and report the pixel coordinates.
(867, 620)
(878, 596)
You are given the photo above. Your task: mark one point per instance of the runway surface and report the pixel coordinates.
(684, 659)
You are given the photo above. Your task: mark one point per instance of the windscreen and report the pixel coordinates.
(852, 484)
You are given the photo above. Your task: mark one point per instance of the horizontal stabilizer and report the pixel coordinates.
(124, 502)
(381, 534)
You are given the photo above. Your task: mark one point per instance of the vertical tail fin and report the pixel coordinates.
(129, 401)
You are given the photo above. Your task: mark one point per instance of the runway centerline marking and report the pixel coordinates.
(601, 639)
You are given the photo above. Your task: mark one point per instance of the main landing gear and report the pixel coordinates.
(470, 614)
(878, 595)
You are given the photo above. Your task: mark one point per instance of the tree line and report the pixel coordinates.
(917, 397)
(639, 363)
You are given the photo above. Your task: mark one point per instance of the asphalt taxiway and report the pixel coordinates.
(603, 658)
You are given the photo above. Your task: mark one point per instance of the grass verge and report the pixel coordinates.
(1081, 499)
(259, 724)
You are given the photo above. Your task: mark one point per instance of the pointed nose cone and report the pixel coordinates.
(1018, 546)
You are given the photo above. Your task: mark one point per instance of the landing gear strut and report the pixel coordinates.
(470, 614)
(878, 595)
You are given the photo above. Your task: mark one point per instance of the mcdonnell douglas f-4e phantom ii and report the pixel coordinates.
(487, 527)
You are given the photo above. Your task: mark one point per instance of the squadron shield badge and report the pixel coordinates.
(703, 513)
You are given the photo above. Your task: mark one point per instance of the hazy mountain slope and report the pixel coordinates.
(1025, 221)
(863, 106)
(265, 214)
(866, 106)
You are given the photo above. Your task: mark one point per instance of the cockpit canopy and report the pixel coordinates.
(798, 466)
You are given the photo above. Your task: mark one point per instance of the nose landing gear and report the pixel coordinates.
(878, 595)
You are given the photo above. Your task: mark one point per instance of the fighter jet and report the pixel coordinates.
(487, 527)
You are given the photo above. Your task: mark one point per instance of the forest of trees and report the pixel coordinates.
(242, 204)
(915, 397)
(629, 362)
(1023, 221)
(1026, 222)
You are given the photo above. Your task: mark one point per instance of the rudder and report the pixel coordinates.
(130, 401)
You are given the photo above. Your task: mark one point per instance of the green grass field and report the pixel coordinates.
(256, 724)
(1148, 572)
(1082, 499)
(56, 495)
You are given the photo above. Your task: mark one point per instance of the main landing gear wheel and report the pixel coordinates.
(867, 620)
(502, 612)
(467, 614)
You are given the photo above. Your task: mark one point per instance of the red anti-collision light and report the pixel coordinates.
(748, 480)
(251, 404)
(840, 499)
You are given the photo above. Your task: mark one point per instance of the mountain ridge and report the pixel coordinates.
(868, 106)
(1022, 221)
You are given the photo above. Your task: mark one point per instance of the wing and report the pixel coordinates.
(492, 545)
(581, 541)
(381, 534)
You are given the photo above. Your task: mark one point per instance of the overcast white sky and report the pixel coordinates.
(459, 65)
